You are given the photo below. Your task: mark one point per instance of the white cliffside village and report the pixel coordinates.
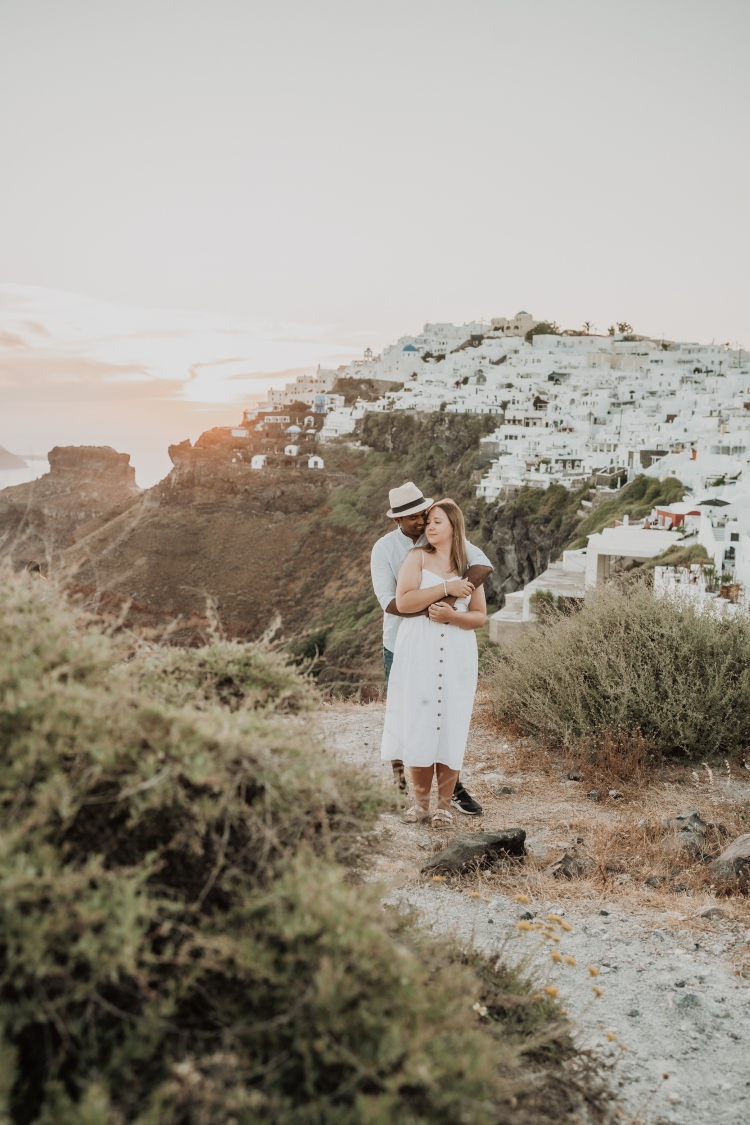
(578, 408)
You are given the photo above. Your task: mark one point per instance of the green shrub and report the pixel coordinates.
(180, 943)
(634, 500)
(629, 662)
(239, 676)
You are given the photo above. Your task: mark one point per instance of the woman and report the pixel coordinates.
(434, 675)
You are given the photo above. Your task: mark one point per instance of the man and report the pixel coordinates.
(409, 512)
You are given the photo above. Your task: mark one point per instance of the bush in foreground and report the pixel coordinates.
(180, 943)
(250, 677)
(629, 662)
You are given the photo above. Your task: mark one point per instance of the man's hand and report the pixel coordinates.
(441, 613)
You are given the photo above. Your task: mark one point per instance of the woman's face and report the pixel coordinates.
(439, 530)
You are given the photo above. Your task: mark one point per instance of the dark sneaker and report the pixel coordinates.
(464, 802)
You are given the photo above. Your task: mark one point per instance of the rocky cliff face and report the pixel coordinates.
(255, 543)
(525, 535)
(39, 519)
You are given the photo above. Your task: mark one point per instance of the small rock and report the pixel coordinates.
(537, 849)
(633, 1013)
(614, 868)
(570, 867)
(689, 821)
(579, 839)
(526, 916)
(680, 983)
(604, 912)
(476, 849)
(712, 912)
(679, 889)
(732, 868)
(575, 775)
(593, 794)
(655, 881)
(503, 790)
(688, 1001)
(615, 794)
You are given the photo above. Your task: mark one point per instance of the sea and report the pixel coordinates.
(34, 468)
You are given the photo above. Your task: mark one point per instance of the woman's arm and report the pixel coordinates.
(410, 599)
(474, 618)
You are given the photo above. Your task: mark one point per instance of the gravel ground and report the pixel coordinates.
(674, 995)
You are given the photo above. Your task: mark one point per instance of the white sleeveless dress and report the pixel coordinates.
(430, 690)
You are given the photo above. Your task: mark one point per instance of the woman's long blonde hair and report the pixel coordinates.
(458, 546)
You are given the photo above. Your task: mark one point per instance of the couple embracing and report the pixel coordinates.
(428, 579)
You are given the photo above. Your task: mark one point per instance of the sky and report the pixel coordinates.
(198, 198)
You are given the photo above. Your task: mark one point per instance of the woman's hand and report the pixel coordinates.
(442, 614)
(460, 587)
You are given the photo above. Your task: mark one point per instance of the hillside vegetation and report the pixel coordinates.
(440, 453)
(630, 664)
(181, 937)
(286, 543)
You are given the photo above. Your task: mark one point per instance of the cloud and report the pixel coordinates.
(54, 339)
(75, 371)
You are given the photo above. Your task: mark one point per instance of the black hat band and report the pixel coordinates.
(403, 507)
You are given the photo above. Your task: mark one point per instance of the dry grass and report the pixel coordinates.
(623, 838)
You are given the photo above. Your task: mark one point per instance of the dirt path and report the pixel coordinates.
(676, 993)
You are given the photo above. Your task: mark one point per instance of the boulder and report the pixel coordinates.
(476, 849)
(732, 868)
(593, 795)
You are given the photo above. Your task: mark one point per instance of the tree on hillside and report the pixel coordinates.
(588, 326)
(611, 330)
(543, 328)
(624, 327)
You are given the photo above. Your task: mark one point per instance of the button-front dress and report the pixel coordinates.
(431, 689)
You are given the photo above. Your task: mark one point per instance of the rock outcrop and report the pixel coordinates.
(477, 849)
(38, 519)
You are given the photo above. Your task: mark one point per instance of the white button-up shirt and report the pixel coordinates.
(385, 562)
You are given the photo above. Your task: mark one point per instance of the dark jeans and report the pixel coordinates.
(387, 664)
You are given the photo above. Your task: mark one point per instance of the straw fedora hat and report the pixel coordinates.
(406, 501)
